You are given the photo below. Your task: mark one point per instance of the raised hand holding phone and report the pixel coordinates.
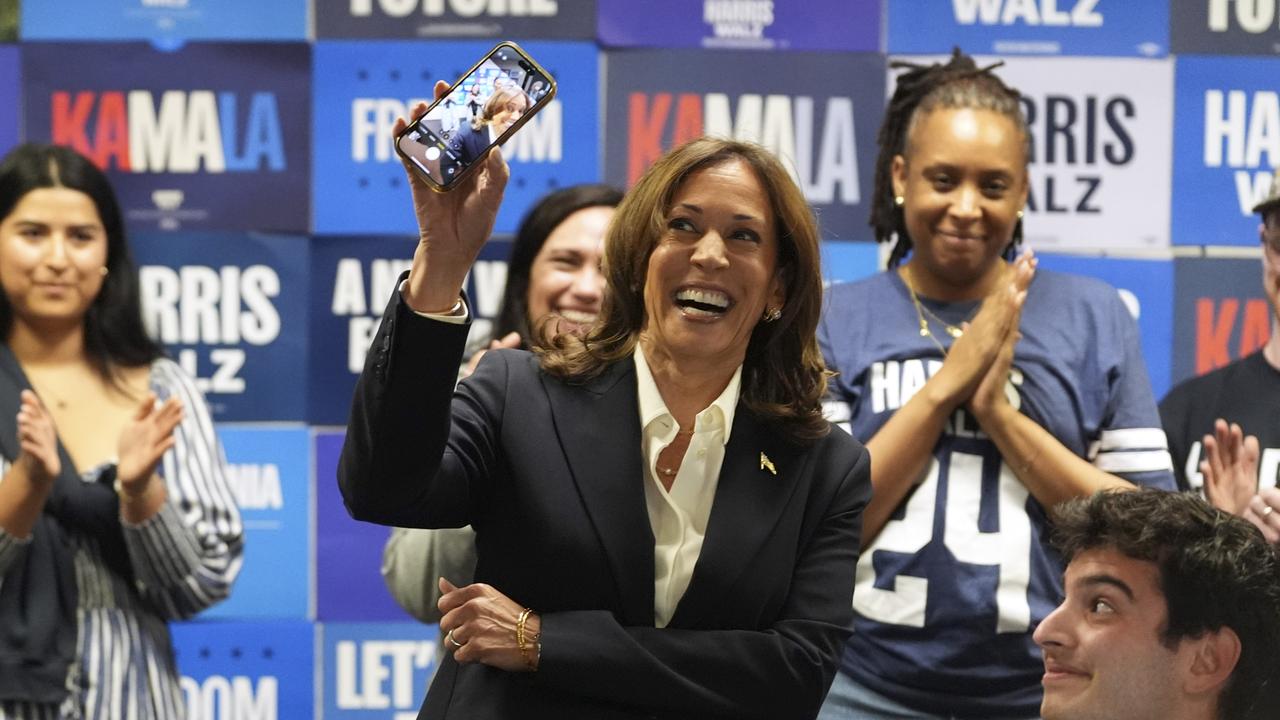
(452, 227)
(484, 108)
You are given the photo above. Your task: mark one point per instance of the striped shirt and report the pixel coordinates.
(184, 559)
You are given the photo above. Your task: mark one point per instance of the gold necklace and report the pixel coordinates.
(925, 331)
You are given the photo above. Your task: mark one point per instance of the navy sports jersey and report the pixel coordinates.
(1247, 392)
(951, 589)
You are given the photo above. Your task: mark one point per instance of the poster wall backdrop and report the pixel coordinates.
(376, 671)
(852, 25)
(360, 90)
(823, 129)
(351, 281)
(9, 105)
(205, 137)
(269, 473)
(231, 309)
(165, 20)
(349, 586)
(1100, 144)
(1008, 27)
(1220, 313)
(564, 19)
(1226, 142)
(1227, 27)
(258, 671)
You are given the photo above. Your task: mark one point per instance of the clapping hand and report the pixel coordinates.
(37, 440)
(1230, 467)
(144, 440)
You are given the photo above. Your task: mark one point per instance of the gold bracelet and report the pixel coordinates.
(522, 642)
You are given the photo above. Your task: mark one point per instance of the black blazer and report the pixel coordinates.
(550, 475)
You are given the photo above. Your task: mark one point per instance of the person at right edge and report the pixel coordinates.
(1206, 418)
(987, 392)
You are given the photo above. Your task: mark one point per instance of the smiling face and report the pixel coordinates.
(963, 181)
(52, 251)
(509, 112)
(565, 277)
(713, 271)
(1102, 645)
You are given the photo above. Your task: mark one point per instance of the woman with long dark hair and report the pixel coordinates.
(115, 515)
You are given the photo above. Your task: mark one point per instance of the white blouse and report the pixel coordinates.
(679, 516)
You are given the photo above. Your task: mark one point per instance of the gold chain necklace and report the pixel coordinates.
(925, 331)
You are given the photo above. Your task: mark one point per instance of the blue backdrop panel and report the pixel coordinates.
(9, 105)
(1226, 27)
(1220, 313)
(351, 281)
(165, 20)
(204, 137)
(564, 19)
(1043, 27)
(742, 24)
(849, 261)
(361, 88)
(231, 309)
(247, 670)
(270, 475)
(818, 111)
(349, 585)
(1226, 140)
(1147, 288)
(376, 671)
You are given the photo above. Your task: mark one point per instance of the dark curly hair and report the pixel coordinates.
(921, 89)
(1216, 570)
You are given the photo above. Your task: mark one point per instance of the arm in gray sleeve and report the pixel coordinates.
(414, 560)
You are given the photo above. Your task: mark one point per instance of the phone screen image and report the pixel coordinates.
(483, 109)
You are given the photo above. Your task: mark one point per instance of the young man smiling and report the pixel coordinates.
(1172, 612)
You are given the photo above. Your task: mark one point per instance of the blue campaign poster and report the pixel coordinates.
(1030, 27)
(849, 261)
(1226, 27)
(246, 669)
(375, 671)
(1146, 286)
(9, 93)
(352, 279)
(269, 469)
(848, 25)
(1226, 141)
(231, 309)
(1220, 313)
(824, 130)
(204, 137)
(441, 19)
(165, 20)
(349, 586)
(360, 90)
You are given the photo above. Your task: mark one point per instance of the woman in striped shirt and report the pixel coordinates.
(115, 514)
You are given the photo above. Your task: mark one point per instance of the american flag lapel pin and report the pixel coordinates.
(767, 464)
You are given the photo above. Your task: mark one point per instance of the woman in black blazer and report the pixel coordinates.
(666, 526)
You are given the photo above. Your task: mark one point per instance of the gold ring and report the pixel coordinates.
(449, 636)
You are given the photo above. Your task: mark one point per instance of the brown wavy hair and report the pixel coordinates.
(783, 375)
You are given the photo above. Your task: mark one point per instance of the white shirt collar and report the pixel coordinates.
(653, 408)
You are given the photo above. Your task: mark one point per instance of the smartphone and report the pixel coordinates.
(484, 108)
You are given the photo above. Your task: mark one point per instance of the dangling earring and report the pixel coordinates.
(899, 200)
(771, 314)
